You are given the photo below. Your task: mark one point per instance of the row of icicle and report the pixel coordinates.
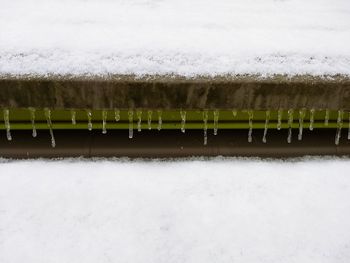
(302, 114)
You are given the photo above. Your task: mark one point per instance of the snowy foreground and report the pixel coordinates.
(218, 210)
(182, 37)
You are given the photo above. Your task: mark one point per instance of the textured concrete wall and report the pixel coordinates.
(174, 92)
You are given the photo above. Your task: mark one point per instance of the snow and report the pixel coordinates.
(174, 37)
(196, 210)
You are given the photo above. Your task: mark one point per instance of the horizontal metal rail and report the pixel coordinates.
(21, 119)
(165, 125)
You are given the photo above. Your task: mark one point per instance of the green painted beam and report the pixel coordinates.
(20, 119)
(154, 126)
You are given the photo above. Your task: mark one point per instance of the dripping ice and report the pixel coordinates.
(205, 127)
(267, 119)
(326, 118)
(104, 121)
(279, 119)
(131, 123)
(339, 126)
(32, 120)
(7, 124)
(302, 114)
(49, 124)
(89, 117)
(290, 125)
(73, 117)
(183, 120)
(139, 120)
(250, 123)
(159, 127)
(312, 119)
(216, 121)
(116, 115)
(149, 119)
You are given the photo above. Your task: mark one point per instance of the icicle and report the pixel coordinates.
(149, 119)
(279, 119)
(339, 126)
(89, 116)
(183, 120)
(159, 120)
(267, 119)
(104, 121)
(216, 121)
(49, 124)
(312, 119)
(32, 120)
(234, 113)
(205, 127)
(250, 119)
(349, 128)
(73, 115)
(131, 123)
(139, 120)
(7, 124)
(326, 117)
(302, 114)
(117, 115)
(290, 124)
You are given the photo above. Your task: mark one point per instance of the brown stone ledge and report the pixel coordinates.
(174, 92)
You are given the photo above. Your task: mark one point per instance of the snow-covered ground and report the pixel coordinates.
(183, 37)
(217, 210)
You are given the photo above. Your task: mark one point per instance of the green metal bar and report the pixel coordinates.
(20, 119)
(166, 125)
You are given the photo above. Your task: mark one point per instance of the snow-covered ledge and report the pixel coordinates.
(185, 38)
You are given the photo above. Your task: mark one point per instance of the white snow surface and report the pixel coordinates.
(196, 210)
(174, 37)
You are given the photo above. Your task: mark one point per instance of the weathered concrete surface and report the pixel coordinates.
(240, 92)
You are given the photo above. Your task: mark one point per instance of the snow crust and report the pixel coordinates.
(176, 37)
(196, 210)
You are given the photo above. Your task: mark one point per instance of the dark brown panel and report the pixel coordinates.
(170, 143)
(175, 93)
